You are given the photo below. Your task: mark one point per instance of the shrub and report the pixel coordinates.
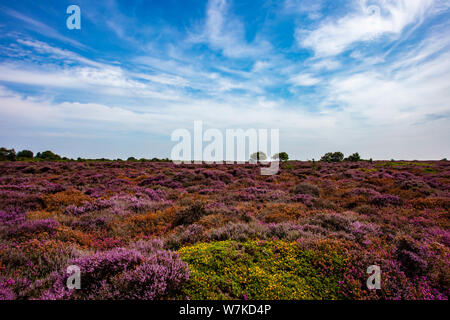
(190, 215)
(282, 156)
(262, 270)
(303, 198)
(34, 226)
(285, 231)
(410, 254)
(238, 232)
(6, 290)
(185, 235)
(161, 275)
(60, 200)
(11, 217)
(89, 222)
(96, 270)
(145, 271)
(320, 203)
(332, 157)
(366, 210)
(307, 188)
(386, 199)
(7, 154)
(354, 157)
(25, 154)
(48, 156)
(332, 222)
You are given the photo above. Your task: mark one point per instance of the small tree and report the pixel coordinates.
(131, 159)
(7, 154)
(332, 157)
(25, 154)
(327, 157)
(257, 156)
(48, 155)
(282, 156)
(354, 157)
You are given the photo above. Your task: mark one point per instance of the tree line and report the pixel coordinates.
(28, 155)
(11, 155)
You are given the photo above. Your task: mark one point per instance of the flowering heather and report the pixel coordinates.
(147, 230)
(303, 198)
(144, 272)
(34, 226)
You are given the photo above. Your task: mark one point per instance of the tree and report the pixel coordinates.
(48, 155)
(282, 156)
(7, 154)
(25, 154)
(257, 156)
(131, 159)
(354, 157)
(332, 157)
(327, 157)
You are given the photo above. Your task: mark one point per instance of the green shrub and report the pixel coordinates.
(282, 156)
(332, 157)
(48, 155)
(7, 154)
(354, 157)
(262, 270)
(25, 154)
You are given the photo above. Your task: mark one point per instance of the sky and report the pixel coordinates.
(354, 76)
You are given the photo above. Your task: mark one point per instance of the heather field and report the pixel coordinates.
(145, 230)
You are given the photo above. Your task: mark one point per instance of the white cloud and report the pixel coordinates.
(261, 65)
(166, 79)
(41, 28)
(261, 113)
(395, 98)
(57, 53)
(107, 81)
(304, 80)
(325, 64)
(224, 32)
(367, 23)
(312, 8)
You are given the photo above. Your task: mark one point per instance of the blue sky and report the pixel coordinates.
(366, 76)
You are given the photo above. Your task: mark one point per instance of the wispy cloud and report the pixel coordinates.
(225, 32)
(57, 53)
(366, 23)
(310, 8)
(40, 27)
(304, 80)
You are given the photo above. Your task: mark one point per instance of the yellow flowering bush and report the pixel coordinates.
(262, 270)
